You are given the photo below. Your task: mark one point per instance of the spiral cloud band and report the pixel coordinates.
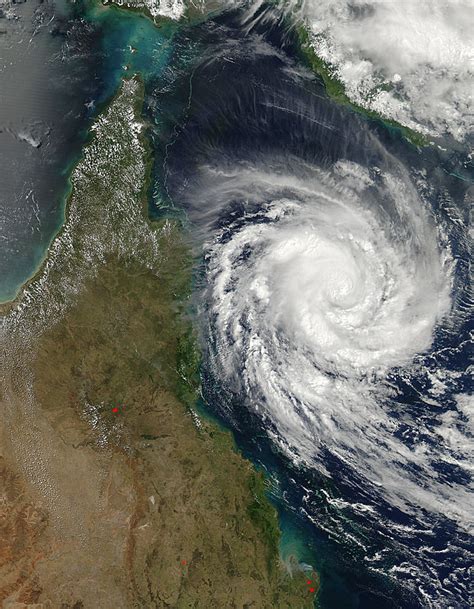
(321, 286)
(334, 311)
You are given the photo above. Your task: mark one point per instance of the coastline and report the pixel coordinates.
(135, 275)
(7, 305)
(111, 24)
(97, 10)
(336, 91)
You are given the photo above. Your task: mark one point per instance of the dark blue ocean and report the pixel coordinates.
(225, 99)
(253, 110)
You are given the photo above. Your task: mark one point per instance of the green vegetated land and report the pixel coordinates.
(197, 12)
(117, 494)
(336, 89)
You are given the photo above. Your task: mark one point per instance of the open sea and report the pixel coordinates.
(365, 435)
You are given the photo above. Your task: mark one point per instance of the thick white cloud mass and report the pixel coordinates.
(174, 9)
(409, 60)
(316, 298)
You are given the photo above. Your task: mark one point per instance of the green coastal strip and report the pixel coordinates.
(138, 502)
(337, 92)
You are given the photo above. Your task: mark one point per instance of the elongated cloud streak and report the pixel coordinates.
(412, 62)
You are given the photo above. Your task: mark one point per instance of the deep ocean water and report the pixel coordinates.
(332, 287)
(334, 303)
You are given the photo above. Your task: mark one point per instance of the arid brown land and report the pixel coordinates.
(114, 494)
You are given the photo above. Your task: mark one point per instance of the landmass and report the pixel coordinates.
(336, 90)
(161, 11)
(114, 492)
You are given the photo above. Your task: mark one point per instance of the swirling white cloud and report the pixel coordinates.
(325, 284)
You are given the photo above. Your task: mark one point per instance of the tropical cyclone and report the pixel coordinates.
(324, 283)
(115, 494)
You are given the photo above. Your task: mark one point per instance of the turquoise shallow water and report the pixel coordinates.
(125, 42)
(250, 107)
(130, 43)
(46, 80)
(100, 45)
(317, 529)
